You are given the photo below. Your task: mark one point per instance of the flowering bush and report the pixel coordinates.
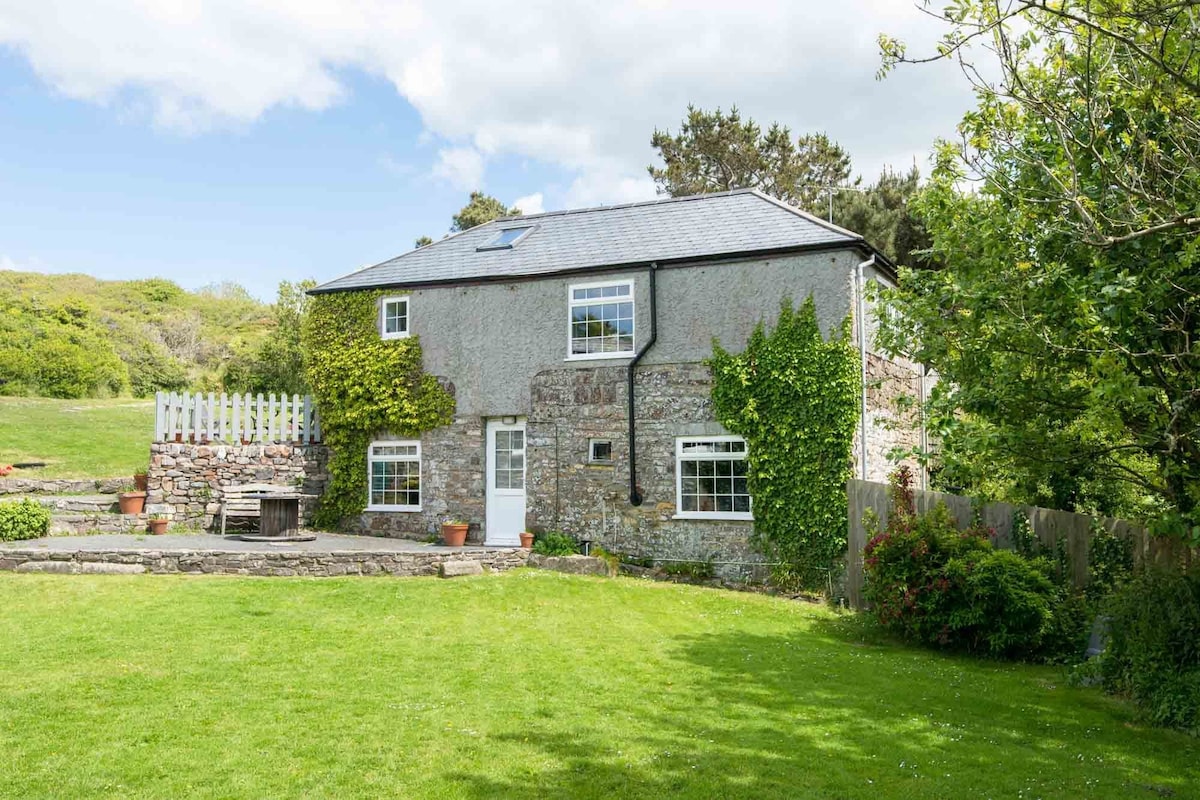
(938, 585)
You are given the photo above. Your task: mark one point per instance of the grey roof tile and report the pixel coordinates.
(702, 226)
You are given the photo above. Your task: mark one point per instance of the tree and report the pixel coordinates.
(422, 241)
(717, 151)
(882, 213)
(1066, 319)
(479, 209)
(277, 364)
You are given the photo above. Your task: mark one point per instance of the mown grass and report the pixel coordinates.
(525, 685)
(76, 438)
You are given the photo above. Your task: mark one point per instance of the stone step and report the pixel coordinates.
(39, 486)
(75, 503)
(71, 524)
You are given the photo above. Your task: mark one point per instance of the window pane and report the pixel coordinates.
(623, 290)
(689, 503)
(741, 504)
(688, 468)
(609, 291)
(517, 439)
(724, 503)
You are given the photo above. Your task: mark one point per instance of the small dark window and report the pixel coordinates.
(600, 451)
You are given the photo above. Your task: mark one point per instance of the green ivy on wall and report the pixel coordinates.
(794, 396)
(364, 385)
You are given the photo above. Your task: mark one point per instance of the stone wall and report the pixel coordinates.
(185, 481)
(452, 486)
(267, 564)
(893, 416)
(589, 501)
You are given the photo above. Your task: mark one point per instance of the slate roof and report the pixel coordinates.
(700, 227)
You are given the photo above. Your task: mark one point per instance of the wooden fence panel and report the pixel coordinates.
(237, 419)
(1050, 526)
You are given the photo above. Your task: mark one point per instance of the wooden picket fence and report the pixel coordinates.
(237, 419)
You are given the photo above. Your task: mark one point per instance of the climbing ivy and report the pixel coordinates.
(794, 396)
(363, 385)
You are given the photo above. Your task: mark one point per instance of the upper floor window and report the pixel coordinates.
(393, 317)
(710, 475)
(601, 320)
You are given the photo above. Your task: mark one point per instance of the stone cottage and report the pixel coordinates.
(574, 342)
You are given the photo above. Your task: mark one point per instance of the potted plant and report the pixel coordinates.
(454, 532)
(526, 539)
(140, 479)
(159, 523)
(130, 501)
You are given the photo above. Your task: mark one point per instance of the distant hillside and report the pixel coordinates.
(77, 336)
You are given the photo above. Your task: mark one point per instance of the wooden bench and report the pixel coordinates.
(235, 503)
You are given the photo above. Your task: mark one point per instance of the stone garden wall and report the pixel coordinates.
(266, 564)
(185, 480)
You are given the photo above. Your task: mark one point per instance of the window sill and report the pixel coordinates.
(404, 335)
(393, 508)
(601, 357)
(729, 516)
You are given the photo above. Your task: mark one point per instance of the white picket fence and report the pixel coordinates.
(238, 419)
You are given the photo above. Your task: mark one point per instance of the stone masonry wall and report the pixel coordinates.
(893, 416)
(185, 481)
(452, 486)
(590, 501)
(266, 564)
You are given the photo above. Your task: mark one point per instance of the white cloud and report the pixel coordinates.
(582, 86)
(531, 203)
(7, 263)
(461, 167)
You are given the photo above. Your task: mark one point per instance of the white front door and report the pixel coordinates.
(505, 482)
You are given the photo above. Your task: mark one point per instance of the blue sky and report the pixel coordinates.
(257, 142)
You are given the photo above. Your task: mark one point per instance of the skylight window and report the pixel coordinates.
(506, 238)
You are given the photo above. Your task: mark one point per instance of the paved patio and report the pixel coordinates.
(324, 543)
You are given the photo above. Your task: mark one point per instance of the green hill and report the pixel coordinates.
(77, 336)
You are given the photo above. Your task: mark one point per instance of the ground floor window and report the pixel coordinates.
(710, 475)
(395, 474)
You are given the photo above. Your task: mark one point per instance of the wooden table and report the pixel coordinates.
(279, 514)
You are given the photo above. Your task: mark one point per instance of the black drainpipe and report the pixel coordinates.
(635, 494)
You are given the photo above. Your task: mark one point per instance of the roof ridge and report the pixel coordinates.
(620, 206)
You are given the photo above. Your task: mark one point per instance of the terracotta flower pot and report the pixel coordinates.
(454, 535)
(159, 526)
(526, 539)
(131, 502)
(140, 482)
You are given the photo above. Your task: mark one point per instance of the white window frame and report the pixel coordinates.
(372, 459)
(680, 441)
(383, 304)
(608, 462)
(572, 303)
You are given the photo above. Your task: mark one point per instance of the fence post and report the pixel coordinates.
(158, 416)
(198, 417)
(295, 437)
(212, 416)
(258, 418)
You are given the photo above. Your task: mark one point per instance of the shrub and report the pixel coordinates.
(23, 519)
(934, 584)
(554, 543)
(1153, 652)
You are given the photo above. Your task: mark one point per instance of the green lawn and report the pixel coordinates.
(526, 685)
(76, 438)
